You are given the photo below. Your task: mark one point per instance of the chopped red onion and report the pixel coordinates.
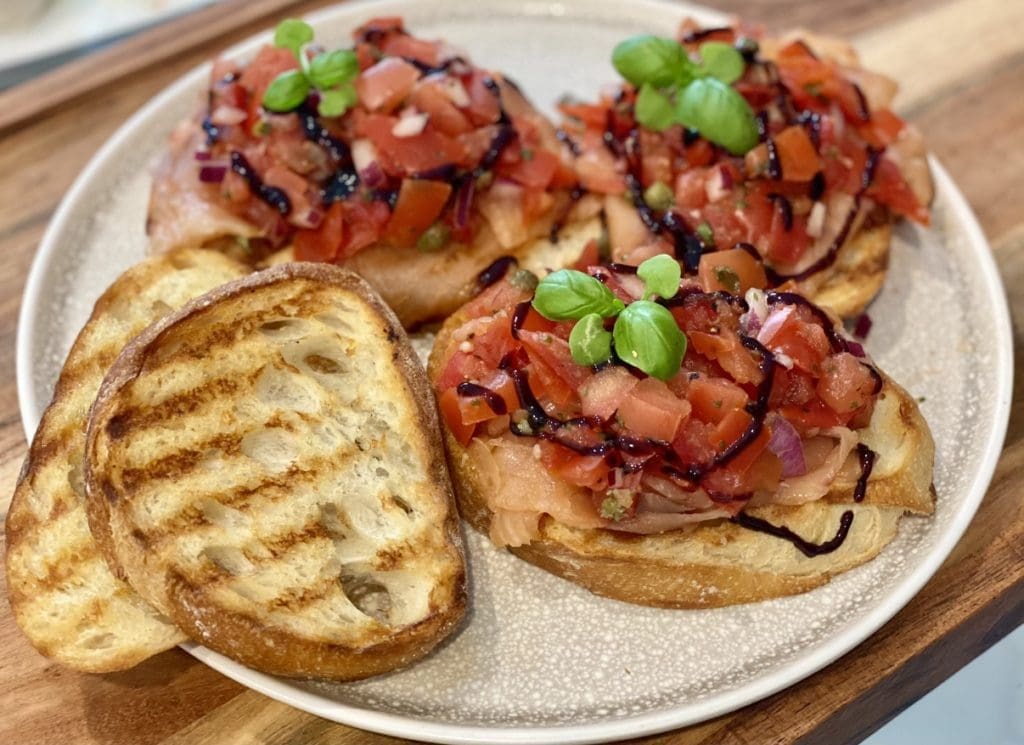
(203, 155)
(855, 349)
(410, 126)
(785, 443)
(212, 174)
(373, 176)
(862, 326)
(773, 323)
(462, 204)
(726, 177)
(311, 220)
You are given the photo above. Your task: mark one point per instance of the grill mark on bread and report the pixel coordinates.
(187, 402)
(178, 464)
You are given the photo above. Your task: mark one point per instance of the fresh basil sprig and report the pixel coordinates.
(645, 333)
(675, 89)
(661, 275)
(589, 342)
(331, 73)
(648, 337)
(568, 295)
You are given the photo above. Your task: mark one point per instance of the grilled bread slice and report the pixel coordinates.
(64, 597)
(718, 563)
(264, 465)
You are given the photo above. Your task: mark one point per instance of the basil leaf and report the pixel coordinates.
(654, 109)
(719, 114)
(589, 343)
(336, 102)
(648, 338)
(286, 92)
(292, 33)
(654, 60)
(331, 68)
(661, 275)
(568, 295)
(722, 61)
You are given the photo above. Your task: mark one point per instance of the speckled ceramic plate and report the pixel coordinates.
(540, 659)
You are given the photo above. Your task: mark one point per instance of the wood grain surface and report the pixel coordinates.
(960, 64)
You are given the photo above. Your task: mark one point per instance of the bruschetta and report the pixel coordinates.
(668, 443)
(397, 158)
(783, 151)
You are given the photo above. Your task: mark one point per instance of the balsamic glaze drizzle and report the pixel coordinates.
(866, 457)
(273, 196)
(473, 390)
(807, 548)
(495, 271)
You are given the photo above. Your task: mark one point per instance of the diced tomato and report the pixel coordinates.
(380, 25)
(500, 295)
(553, 353)
(883, 129)
(592, 115)
(713, 398)
(403, 45)
(700, 153)
(419, 204)
(460, 367)
(689, 188)
(729, 429)
(430, 98)
(451, 410)
(364, 223)
(725, 348)
(602, 394)
(889, 187)
(494, 341)
(814, 82)
(692, 442)
(386, 84)
(484, 107)
(534, 172)
(260, 73)
(656, 165)
(812, 415)
(409, 155)
(845, 386)
(797, 155)
(733, 270)
(650, 409)
(598, 171)
(590, 256)
(804, 343)
(790, 388)
(323, 243)
(590, 471)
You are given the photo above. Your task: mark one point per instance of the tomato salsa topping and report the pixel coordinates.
(396, 140)
(723, 139)
(708, 403)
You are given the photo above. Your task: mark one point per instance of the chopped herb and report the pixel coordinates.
(706, 234)
(658, 196)
(717, 404)
(524, 279)
(434, 238)
(526, 153)
(728, 278)
(612, 509)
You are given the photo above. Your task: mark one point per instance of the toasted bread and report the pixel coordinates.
(407, 280)
(718, 562)
(264, 466)
(64, 597)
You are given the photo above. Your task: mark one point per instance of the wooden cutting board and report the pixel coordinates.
(960, 63)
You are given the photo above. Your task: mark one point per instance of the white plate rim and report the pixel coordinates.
(602, 731)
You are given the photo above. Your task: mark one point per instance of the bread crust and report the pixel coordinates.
(194, 604)
(51, 559)
(720, 563)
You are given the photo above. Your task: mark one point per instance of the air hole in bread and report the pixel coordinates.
(99, 641)
(335, 322)
(159, 308)
(368, 595)
(285, 390)
(223, 516)
(381, 471)
(274, 448)
(75, 480)
(324, 365)
(284, 328)
(330, 518)
(230, 559)
(402, 504)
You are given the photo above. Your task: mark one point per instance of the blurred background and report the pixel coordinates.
(982, 704)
